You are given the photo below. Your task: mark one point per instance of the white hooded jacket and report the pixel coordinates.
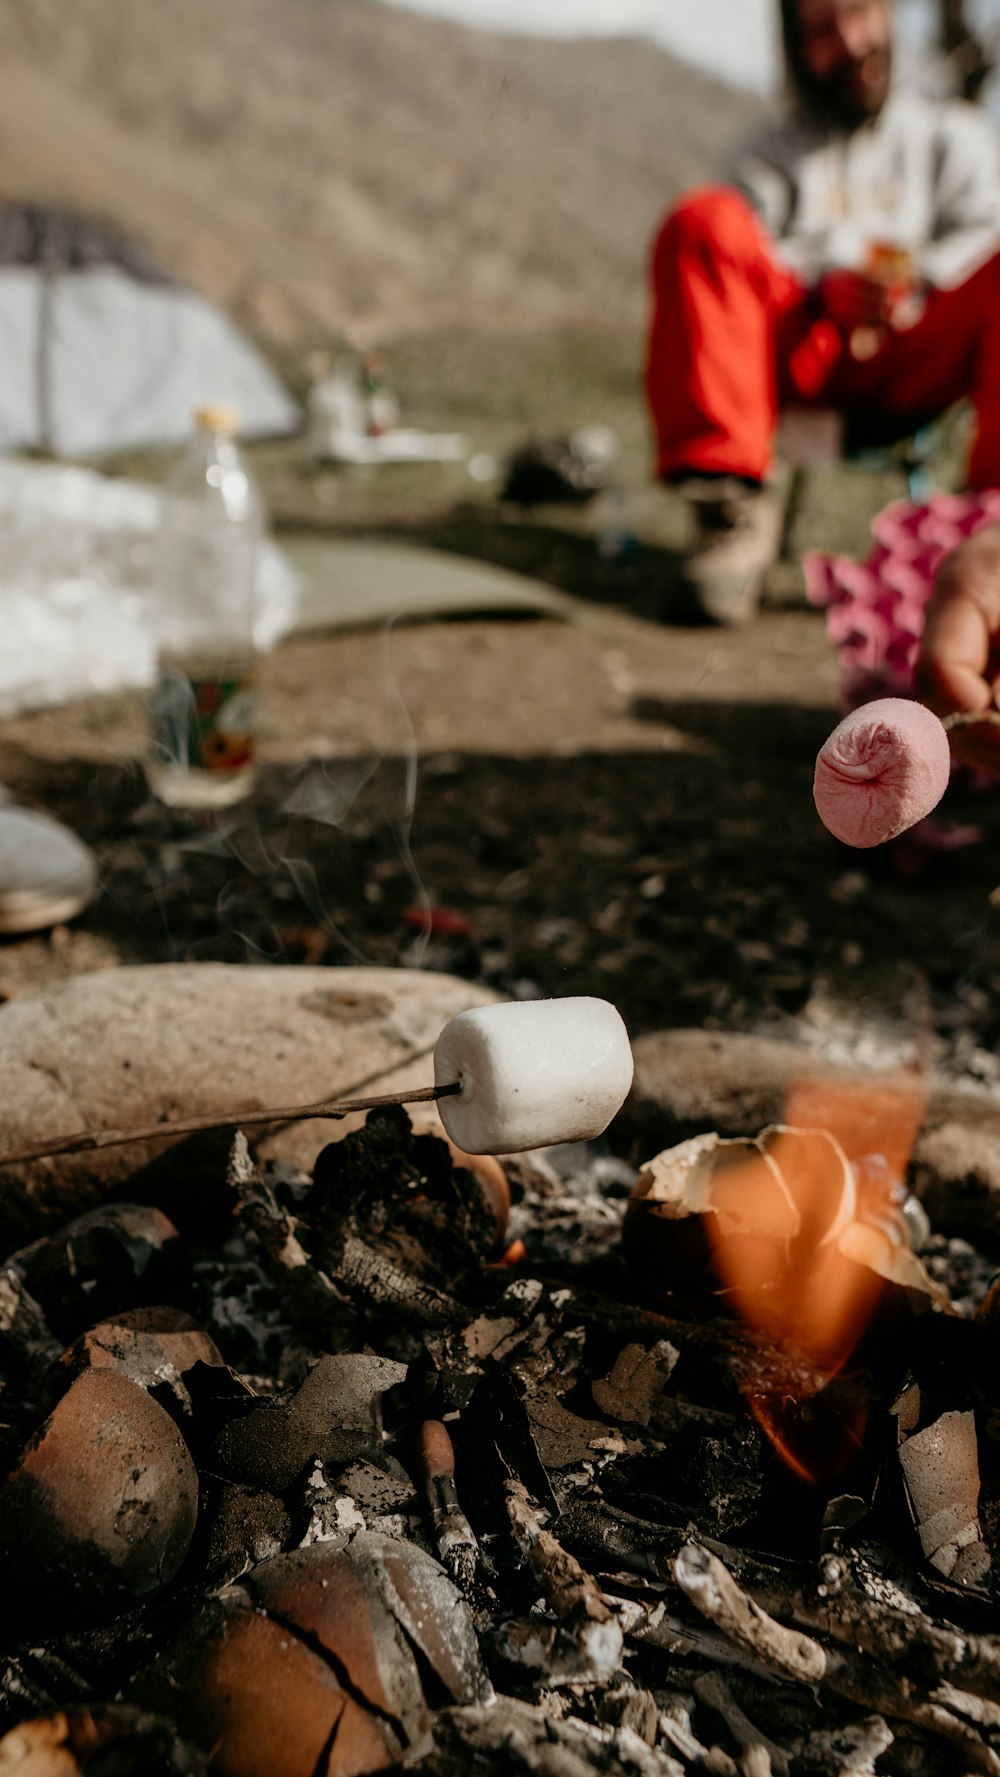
(923, 175)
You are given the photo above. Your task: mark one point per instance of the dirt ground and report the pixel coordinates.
(610, 805)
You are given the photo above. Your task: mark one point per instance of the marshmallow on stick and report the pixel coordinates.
(882, 770)
(532, 1072)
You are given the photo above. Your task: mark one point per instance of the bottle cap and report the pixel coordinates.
(218, 418)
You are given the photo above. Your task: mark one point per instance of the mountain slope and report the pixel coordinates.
(340, 166)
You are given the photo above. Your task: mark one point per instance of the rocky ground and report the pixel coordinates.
(611, 804)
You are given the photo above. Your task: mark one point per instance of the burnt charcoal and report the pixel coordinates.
(515, 1328)
(710, 1466)
(492, 1441)
(35, 1681)
(565, 1440)
(110, 1741)
(355, 1179)
(607, 1534)
(726, 1719)
(939, 1459)
(110, 1258)
(267, 1323)
(187, 1180)
(535, 1648)
(788, 1712)
(364, 1495)
(911, 1756)
(584, 1467)
(101, 1508)
(243, 1527)
(518, 1740)
(217, 1396)
(586, 1638)
(335, 1418)
(256, 1208)
(623, 1706)
(152, 1346)
(379, 1492)
(635, 1381)
(27, 1344)
(400, 1194)
(348, 1387)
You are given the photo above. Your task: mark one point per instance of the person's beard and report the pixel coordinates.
(841, 99)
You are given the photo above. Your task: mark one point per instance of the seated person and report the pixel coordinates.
(851, 261)
(958, 667)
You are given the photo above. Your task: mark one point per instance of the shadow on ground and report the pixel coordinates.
(689, 887)
(560, 550)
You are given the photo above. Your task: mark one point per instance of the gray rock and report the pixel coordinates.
(335, 1417)
(690, 1081)
(134, 1045)
(102, 1505)
(956, 1175)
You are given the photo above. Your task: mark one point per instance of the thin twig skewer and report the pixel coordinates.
(84, 1141)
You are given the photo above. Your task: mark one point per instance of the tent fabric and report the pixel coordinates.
(61, 240)
(100, 351)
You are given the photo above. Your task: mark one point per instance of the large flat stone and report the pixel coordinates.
(690, 1081)
(736, 1083)
(346, 583)
(956, 1174)
(136, 1045)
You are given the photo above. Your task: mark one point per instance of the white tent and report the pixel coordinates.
(101, 351)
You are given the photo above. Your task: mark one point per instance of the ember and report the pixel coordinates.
(336, 1491)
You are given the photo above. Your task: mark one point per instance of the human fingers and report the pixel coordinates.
(962, 627)
(955, 670)
(976, 741)
(853, 300)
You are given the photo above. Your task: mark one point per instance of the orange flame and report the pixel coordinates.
(783, 1214)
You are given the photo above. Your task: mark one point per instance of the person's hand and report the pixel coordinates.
(958, 667)
(852, 300)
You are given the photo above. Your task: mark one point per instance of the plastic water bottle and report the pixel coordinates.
(204, 575)
(338, 413)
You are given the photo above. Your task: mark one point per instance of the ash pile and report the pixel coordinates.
(418, 1464)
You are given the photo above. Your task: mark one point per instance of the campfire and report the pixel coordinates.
(541, 1464)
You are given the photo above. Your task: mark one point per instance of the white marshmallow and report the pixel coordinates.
(532, 1072)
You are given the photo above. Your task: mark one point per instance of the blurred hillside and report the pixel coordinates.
(339, 167)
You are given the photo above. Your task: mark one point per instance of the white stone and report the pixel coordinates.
(532, 1072)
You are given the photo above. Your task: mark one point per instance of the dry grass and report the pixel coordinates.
(337, 167)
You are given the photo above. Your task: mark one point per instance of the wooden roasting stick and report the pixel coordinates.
(491, 1060)
(86, 1140)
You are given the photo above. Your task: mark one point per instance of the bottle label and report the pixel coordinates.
(204, 723)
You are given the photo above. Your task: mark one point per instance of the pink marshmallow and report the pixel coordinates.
(882, 770)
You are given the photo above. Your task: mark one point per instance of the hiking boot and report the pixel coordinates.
(47, 874)
(738, 538)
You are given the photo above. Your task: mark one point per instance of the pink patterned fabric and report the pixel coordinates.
(875, 609)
